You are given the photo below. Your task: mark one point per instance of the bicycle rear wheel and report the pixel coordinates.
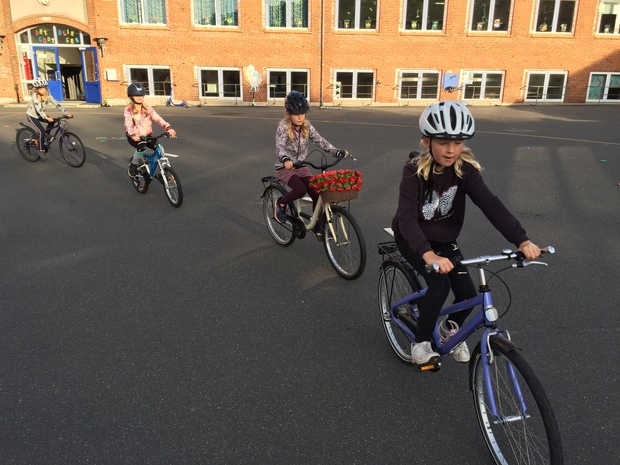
(174, 191)
(396, 283)
(344, 244)
(72, 149)
(140, 182)
(526, 431)
(26, 139)
(282, 233)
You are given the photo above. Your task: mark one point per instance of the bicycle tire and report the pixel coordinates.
(72, 149)
(347, 250)
(136, 181)
(23, 140)
(533, 438)
(283, 234)
(396, 283)
(174, 191)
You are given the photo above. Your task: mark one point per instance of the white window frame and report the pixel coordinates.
(419, 78)
(289, 16)
(142, 14)
(289, 85)
(547, 74)
(220, 83)
(151, 81)
(467, 82)
(359, 23)
(355, 73)
(423, 18)
(553, 27)
(491, 21)
(607, 7)
(218, 16)
(604, 98)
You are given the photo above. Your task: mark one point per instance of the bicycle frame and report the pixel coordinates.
(485, 316)
(156, 159)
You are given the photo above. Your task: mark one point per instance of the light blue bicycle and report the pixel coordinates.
(513, 410)
(157, 166)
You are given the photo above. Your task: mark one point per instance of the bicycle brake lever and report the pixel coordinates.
(525, 263)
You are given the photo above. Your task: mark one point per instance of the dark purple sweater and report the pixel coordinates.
(420, 222)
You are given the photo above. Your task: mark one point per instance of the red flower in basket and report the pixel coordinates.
(341, 181)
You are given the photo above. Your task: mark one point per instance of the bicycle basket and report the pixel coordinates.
(338, 196)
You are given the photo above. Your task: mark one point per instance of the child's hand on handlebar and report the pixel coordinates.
(529, 250)
(444, 265)
(171, 133)
(288, 164)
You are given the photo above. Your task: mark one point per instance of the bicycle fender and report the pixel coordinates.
(269, 181)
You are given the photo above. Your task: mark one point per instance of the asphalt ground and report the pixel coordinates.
(132, 332)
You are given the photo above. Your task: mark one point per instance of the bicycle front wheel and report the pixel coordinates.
(396, 283)
(172, 186)
(526, 431)
(72, 149)
(344, 244)
(25, 141)
(282, 233)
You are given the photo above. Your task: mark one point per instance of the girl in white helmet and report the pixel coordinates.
(430, 215)
(40, 99)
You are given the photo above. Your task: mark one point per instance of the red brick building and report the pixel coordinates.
(338, 52)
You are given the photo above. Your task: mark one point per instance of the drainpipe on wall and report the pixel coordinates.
(322, 44)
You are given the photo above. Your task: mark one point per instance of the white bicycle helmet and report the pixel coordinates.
(39, 82)
(447, 120)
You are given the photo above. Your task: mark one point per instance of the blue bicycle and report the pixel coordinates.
(514, 413)
(157, 166)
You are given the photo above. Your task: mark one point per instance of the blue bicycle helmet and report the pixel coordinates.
(296, 103)
(136, 89)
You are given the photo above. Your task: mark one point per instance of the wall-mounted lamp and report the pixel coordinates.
(2, 37)
(101, 41)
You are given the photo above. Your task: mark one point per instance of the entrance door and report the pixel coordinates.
(90, 73)
(46, 66)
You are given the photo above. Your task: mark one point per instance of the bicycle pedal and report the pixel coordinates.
(433, 365)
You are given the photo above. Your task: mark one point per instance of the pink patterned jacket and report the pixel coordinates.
(141, 123)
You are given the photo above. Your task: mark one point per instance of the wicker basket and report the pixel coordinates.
(339, 196)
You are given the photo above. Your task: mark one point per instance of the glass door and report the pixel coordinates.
(90, 70)
(46, 66)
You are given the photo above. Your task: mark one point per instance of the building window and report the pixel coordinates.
(604, 87)
(356, 14)
(555, 15)
(220, 82)
(216, 12)
(287, 13)
(354, 85)
(143, 11)
(483, 85)
(424, 15)
(281, 82)
(608, 19)
(546, 86)
(156, 80)
(490, 15)
(418, 85)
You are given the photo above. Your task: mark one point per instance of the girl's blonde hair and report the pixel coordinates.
(291, 133)
(134, 109)
(45, 96)
(425, 160)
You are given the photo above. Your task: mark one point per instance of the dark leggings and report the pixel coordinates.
(299, 188)
(39, 125)
(439, 286)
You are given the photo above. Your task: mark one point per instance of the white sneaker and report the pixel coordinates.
(422, 353)
(447, 329)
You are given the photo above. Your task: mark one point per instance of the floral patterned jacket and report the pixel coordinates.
(140, 124)
(297, 150)
(37, 106)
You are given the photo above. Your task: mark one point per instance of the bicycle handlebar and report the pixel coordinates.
(506, 255)
(322, 167)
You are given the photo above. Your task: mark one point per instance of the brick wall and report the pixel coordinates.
(389, 48)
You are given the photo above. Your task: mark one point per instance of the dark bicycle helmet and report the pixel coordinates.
(136, 89)
(296, 103)
(447, 120)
